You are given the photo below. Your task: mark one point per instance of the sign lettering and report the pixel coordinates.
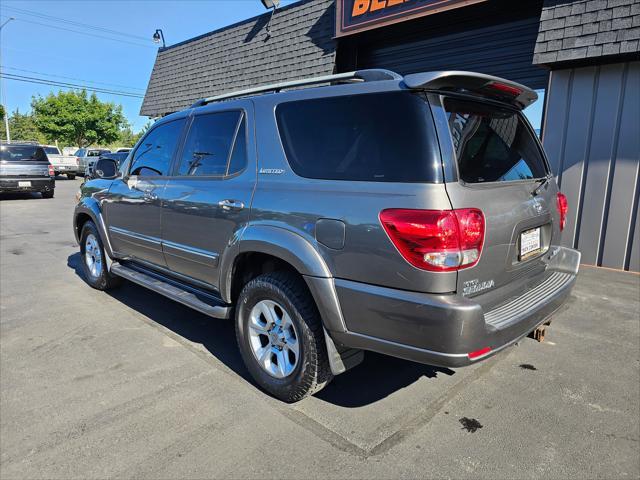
(357, 15)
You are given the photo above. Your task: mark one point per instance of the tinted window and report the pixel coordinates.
(492, 144)
(153, 156)
(80, 153)
(383, 137)
(208, 144)
(52, 150)
(21, 153)
(96, 153)
(239, 156)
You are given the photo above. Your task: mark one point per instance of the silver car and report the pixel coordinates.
(415, 216)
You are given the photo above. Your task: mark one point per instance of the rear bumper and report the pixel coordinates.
(443, 329)
(66, 168)
(38, 184)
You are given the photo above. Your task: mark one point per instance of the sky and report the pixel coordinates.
(75, 46)
(35, 42)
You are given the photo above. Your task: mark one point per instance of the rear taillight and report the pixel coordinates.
(77, 161)
(563, 208)
(51, 171)
(437, 240)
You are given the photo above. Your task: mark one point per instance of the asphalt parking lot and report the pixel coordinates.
(130, 384)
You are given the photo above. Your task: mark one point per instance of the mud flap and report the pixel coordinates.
(341, 360)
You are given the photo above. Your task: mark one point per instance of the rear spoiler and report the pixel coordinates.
(487, 86)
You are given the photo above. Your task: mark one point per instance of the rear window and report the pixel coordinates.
(52, 150)
(80, 153)
(21, 153)
(492, 144)
(382, 137)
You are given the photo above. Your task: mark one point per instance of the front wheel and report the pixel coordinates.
(94, 259)
(280, 336)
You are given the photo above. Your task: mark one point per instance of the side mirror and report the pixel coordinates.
(106, 168)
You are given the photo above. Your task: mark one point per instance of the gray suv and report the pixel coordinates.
(414, 216)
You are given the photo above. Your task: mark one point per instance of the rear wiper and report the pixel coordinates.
(543, 183)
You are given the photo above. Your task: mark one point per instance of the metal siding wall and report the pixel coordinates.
(592, 138)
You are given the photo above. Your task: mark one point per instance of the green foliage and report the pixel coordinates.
(3, 112)
(75, 118)
(22, 127)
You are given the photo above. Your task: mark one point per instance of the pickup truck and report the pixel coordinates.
(61, 163)
(24, 167)
(87, 157)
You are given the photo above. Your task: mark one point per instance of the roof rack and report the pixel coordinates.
(369, 75)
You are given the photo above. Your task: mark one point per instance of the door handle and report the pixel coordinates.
(228, 205)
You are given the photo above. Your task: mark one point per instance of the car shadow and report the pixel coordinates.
(20, 196)
(377, 377)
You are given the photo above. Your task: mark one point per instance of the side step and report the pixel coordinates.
(189, 296)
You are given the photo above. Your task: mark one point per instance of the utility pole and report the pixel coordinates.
(6, 110)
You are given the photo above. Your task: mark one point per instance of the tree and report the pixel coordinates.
(75, 118)
(22, 127)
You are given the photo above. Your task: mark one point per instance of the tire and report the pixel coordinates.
(71, 176)
(287, 292)
(48, 194)
(95, 273)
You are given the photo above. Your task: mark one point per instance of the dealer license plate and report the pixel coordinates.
(24, 184)
(529, 243)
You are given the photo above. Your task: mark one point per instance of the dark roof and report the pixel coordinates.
(243, 55)
(578, 30)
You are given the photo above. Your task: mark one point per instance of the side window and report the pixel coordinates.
(207, 149)
(239, 155)
(153, 156)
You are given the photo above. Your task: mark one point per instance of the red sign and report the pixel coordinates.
(358, 15)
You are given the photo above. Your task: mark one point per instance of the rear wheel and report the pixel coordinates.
(280, 336)
(94, 259)
(71, 176)
(47, 194)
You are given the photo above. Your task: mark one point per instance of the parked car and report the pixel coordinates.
(414, 216)
(61, 163)
(24, 167)
(118, 157)
(87, 157)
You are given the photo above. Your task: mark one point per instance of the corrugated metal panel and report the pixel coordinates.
(592, 138)
(497, 38)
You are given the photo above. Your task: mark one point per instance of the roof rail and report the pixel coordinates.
(370, 75)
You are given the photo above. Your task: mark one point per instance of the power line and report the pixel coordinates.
(44, 81)
(72, 22)
(2, 67)
(82, 33)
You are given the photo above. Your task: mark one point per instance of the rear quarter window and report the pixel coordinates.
(381, 137)
(492, 144)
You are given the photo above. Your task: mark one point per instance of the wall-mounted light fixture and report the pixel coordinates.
(159, 36)
(270, 5)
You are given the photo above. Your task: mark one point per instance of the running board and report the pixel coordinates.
(189, 296)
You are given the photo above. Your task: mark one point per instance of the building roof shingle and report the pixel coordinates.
(577, 30)
(244, 55)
